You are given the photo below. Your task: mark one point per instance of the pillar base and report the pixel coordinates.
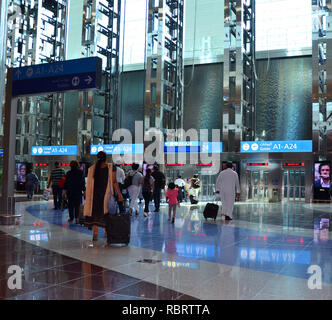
(9, 219)
(7, 211)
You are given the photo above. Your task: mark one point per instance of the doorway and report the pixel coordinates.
(258, 185)
(294, 184)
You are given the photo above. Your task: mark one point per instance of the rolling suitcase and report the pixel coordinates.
(211, 211)
(118, 228)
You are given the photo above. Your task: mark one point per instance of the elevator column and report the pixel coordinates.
(3, 28)
(164, 68)
(36, 34)
(98, 110)
(239, 74)
(321, 76)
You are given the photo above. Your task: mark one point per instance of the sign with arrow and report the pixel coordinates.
(61, 76)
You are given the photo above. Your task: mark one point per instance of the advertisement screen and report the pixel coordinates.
(322, 180)
(21, 172)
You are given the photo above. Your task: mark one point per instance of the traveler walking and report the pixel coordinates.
(120, 177)
(180, 183)
(101, 185)
(56, 174)
(227, 186)
(140, 195)
(159, 184)
(147, 189)
(73, 188)
(32, 182)
(133, 184)
(172, 199)
(195, 186)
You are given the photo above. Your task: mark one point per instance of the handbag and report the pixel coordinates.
(46, 194)
(112, 206)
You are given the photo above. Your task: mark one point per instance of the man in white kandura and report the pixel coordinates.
(227, 186)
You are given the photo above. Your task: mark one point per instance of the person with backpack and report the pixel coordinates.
(120, 177)
(159, 184)
(56, 174)
(195, 186)
(133, 184)
(147, 189)
(31, 182)
(180, 184)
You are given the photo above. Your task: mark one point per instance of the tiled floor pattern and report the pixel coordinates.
(47, 275)
(264, 253)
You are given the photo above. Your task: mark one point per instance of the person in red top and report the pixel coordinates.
(172, 199)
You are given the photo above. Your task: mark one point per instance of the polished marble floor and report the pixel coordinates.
(264, 253)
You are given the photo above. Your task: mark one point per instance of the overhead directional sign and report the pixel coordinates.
(192, 146)
(118, 148)
(77, 74)
(276, 146)
(54, 151)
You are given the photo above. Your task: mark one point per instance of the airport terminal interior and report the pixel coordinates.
(237, 83)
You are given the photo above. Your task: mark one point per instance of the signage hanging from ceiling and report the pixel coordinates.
(54, 151)
(192, 147)
(60, 76)
(276, 146)
(137, 148)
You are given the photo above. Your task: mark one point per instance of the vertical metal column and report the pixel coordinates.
(37, 35)
(3, 28)
(239, 74)
(101, 37)
(321, 76)
(164, 71)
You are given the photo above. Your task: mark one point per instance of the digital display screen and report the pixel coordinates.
(322, 180)
(21, 172)
(293, 164)
(257, 164)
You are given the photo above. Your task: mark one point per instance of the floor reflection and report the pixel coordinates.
(191, 238)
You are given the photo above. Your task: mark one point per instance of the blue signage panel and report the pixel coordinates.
(118, 148)
(1, 152)
(78, 74)
(192, 146)
(276, 146)
(54, 151)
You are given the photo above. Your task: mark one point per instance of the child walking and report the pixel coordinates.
(172, 199)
